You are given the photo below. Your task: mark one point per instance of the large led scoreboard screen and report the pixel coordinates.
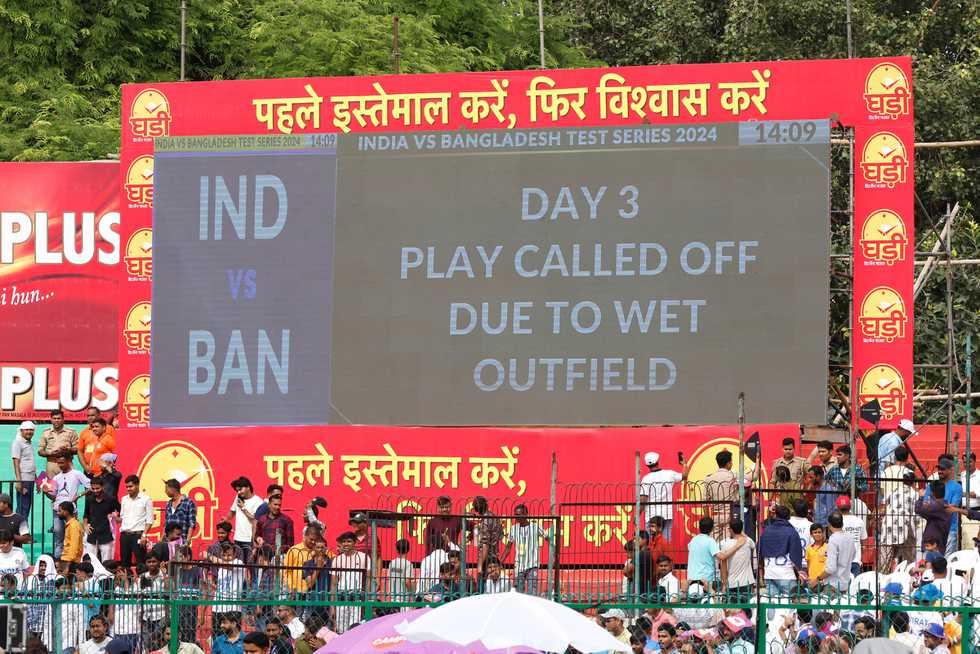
(606, 275)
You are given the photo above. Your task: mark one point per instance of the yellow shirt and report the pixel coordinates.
(296, 556)
(73, 541)
(816, 560)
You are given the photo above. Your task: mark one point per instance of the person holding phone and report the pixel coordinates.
(242, 511)
(657, 486)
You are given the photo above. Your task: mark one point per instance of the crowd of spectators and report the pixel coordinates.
(807, 539)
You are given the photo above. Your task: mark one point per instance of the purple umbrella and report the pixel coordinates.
(378, 636)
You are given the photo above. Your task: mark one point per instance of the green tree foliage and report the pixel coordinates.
(63, 62)
(944, 40)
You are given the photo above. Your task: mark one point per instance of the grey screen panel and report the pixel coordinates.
(412, 207)
(267, 298)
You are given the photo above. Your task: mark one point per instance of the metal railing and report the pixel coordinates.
(60, 616)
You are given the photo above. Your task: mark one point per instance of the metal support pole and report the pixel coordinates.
(850, 43)
(969, 412)
(553, 529)
(541, 31)
(183, 41)
(956, 475)
(949, 325)
(853, 443)
(741, 456)
(396, 55)
(850, 261)
(374, 574)
(636, 529)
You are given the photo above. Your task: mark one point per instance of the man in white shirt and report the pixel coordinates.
(738, 571)
(136, 517)
(243, 512)
(900, 624)
(98, 629)
(291, 621)
(25, 467)
(669, 585)
(429, 568)
(495, 582)
(802, 524)
(952, 587)
(855, 527)
(13, 561)
(658, 486)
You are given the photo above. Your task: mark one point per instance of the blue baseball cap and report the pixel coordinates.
(927, 593)
(894, 588)
(935, 629)
(808, 632)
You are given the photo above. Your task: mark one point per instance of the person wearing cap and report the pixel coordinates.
(56, 440)
(896, 540)
(110, 477)
(953, 495)
(797, 465)
(924, 596)
(362, 543)
(730, 639)
(934, 639)
(242, 511)
(892, 441)
(25, 468)
(95, 440)
(614, 622)
(13, 522)
(658, 486)
(854, 526)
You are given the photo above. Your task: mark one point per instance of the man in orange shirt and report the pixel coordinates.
(97, 439)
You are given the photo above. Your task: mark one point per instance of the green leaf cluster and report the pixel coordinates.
(944, 40)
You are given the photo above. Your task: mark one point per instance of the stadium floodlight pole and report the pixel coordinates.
(183, 39)
(741, 456)
(541, 30)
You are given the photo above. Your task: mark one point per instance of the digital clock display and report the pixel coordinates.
(784, 132)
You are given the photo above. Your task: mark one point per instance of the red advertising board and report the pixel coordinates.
(404, 468)
(59, 248)
(871, 96)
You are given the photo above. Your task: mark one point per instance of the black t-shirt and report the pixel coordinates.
(97, 514)
(110, 482)
(11, 523)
